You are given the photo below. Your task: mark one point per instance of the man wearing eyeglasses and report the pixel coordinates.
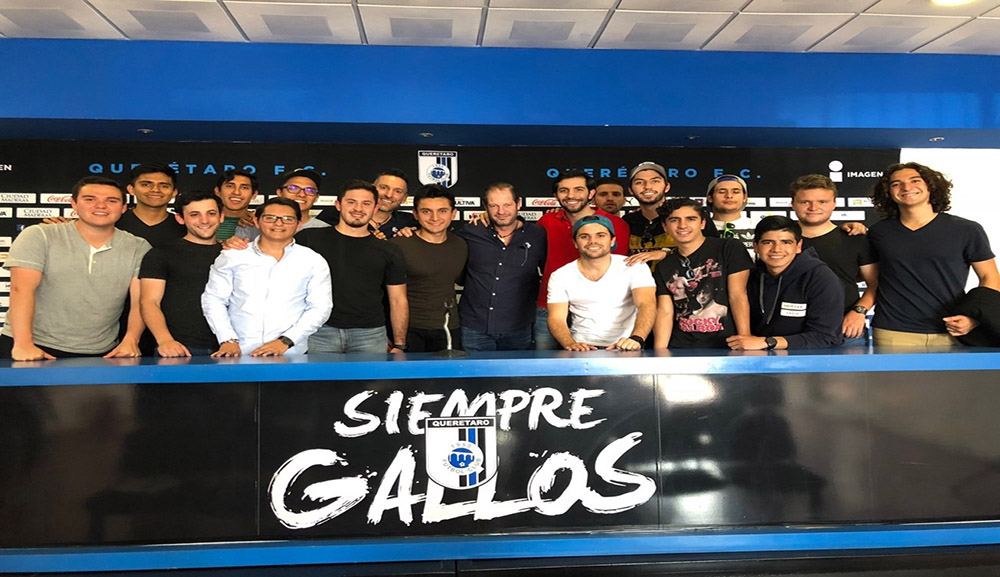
(700, 287)
(302, 187)
(610, 305)
(237, 189)
(266, 300)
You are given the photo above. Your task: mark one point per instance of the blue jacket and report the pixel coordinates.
(804, 304)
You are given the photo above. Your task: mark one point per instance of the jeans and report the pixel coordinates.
(518, 340)
(544, 341)
(333, 340)
(863, 341)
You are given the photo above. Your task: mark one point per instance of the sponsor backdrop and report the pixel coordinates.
(37, 176)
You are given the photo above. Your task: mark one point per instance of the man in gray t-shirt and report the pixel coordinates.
(69, 282)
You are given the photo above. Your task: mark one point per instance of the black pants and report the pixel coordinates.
(432, 340)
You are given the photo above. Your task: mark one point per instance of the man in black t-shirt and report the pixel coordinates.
(153, 186)
(360, 266)
(924, 259)
(392, 186)
(851, 258)
(700, 287)
(173, 276)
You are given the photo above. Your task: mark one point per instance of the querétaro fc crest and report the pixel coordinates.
(438, 167)
(461, 452)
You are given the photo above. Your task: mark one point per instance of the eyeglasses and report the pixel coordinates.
(272, 218)
(728, 230)
(307, 190)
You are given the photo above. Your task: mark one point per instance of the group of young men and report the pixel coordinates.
(210, 278)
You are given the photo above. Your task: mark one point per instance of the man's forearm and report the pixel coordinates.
(741, 313)
(20, 315)
(644, 319)
(399, 318)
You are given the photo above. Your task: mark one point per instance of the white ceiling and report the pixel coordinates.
(890, 26)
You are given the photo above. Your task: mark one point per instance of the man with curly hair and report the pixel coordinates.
(925, 254)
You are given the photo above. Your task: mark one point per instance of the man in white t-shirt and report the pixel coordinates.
(609, 304)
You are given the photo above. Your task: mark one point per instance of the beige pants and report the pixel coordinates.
(887, 338)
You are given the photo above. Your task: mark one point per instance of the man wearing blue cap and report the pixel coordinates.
(611, 305)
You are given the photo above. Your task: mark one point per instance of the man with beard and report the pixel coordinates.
(237, 189)
(173, 276)
(647, 238)
(392, 186)
(574, 190)
(501, 276)
(610, 305)
(700, 287)
(360, 266)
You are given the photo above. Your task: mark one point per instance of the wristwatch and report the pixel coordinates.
(860, 309)
(403, 348)
(638, 339)
(286, 341)
(771, 342)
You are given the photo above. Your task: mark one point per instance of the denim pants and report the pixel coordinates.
(544, 341)
(517, 340)
(333, 340)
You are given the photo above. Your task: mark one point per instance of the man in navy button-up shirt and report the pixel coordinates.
(497, 308)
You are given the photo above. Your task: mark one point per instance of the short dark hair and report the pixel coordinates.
(811, 181)
(358, 184)
(572, 173)
(672, 204)
(433, 191)
(282, 201)
(608, 180)
(938, 186)
(500, 186)
(776, 222)
(104, 180)
(151, 168)
(397, 172)
(186, 198)
(232, 173)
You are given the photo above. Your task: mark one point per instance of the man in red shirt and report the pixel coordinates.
(574, 190)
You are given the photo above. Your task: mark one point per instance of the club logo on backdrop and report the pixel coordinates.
(461, 452)
(438, 167)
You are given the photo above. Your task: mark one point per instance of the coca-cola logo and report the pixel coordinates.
(56, 198)
(543, 202)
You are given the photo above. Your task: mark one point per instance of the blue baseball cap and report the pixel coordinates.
(596, 219)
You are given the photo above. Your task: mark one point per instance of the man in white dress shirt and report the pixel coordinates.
(611, 305)
(265, 301)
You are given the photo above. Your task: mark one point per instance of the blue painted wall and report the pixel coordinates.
(357, 85)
